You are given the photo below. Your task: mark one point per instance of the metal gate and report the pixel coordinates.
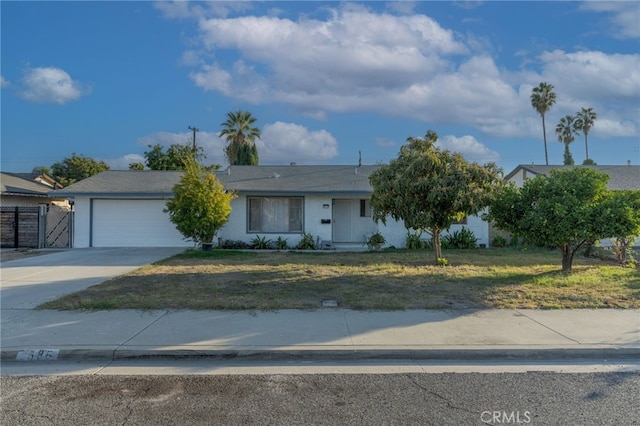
(56, 225)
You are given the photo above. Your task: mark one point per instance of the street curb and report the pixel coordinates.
(341, 355)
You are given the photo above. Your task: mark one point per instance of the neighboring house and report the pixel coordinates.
(620, 178)
(332, 203)
(26, 201)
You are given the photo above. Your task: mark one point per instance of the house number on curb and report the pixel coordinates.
(37, 355)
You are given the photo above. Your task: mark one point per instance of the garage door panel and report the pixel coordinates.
(133, 223)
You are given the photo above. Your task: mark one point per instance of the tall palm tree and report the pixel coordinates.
(241, 136)
(566, 129)
(542, 98)
(584, 122)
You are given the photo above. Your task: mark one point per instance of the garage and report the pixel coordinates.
(132, 223)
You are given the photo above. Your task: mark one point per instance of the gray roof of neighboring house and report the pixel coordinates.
(620, 177)
(255, 179)
(15, 185)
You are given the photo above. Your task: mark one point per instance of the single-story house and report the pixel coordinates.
(332, 203)
(31, 214)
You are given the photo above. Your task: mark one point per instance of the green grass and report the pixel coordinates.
(386, 280)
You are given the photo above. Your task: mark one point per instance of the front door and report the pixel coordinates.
(342, 217)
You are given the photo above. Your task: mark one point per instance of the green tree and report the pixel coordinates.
(566, 129)
(136, 166)
(75, 168)
(584, 122)
(42, 170)
(566, 210)
(429, 189)
(542, 98)
(200, 206)
(171, 159)
(241, 135)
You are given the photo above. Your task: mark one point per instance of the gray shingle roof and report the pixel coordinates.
(298, 179)
(14, 185)
(254, 179)
(620, 177)
(125, 182)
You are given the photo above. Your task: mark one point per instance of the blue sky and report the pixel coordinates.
(326, 80)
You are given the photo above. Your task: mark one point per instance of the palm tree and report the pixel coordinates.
(584, 122)
(241, 136)
(566, 129)
(542, 98)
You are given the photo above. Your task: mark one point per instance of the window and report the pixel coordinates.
(365, 208)
(275, 214)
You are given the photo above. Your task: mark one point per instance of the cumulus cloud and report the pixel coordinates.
(51, 85)
(469, 147)
(282, 143)
(623, 17)
(123, 162)
(401, 65)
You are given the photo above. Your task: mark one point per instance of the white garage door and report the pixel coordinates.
(133, 223)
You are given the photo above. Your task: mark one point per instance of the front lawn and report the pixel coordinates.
(385, 280)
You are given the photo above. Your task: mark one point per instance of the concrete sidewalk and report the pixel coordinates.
(327, 333)
(322, 334)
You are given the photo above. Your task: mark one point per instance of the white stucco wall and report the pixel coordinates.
(81, 222)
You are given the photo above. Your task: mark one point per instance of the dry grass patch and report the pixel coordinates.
(388, 280)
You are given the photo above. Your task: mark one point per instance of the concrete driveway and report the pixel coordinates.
(29, 282)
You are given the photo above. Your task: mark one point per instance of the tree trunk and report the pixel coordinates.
(437, 247)
(544, 136)
(567, 257)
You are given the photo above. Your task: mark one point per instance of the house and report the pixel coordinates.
(332, 203)
(26, 202)
(620, 177)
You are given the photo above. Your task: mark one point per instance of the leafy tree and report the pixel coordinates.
(241, 136)
(136, 166)
(75, 168)
(200, 206)
(566, 210)
(42, 170)
(429, 189)
(584, 122)
(171, 159)
(542, 98)
(566, 129)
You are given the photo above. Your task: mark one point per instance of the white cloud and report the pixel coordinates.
(51, 85)
(623, 17)
(469, 147)
(407, 66)
(123, 162)
(4, 83)
(282, 143)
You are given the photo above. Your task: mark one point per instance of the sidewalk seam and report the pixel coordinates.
(547, 327)
(118, 347)
(346, 322)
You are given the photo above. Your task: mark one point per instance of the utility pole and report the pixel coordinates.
(194, 136)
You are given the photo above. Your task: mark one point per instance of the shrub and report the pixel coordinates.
(233, 244)
(499, 241)
(413, 242)
(307, 242)
(443, 261)
(261, 243)
(375, 241)
(281, 243)
(462, 239)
